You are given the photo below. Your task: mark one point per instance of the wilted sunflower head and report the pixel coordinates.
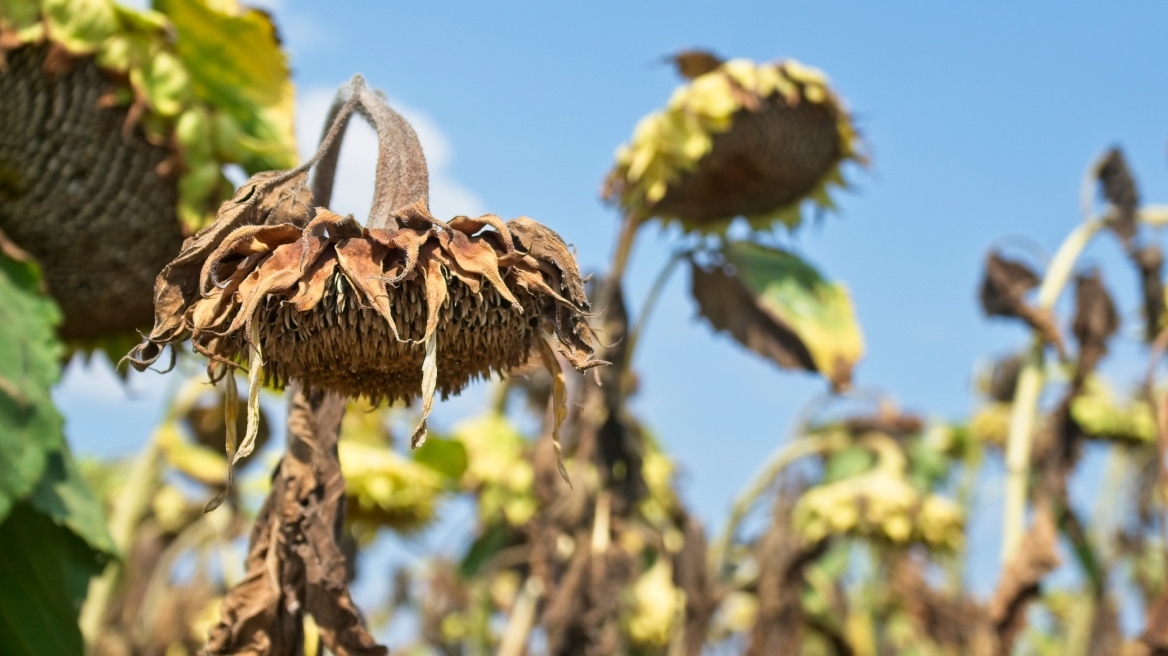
(739, 139)
(405, 307)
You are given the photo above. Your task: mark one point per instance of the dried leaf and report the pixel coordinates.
(294, 563)
(692, 63)
(780, 307)
(1002, 290)
(1019, 582)
(1095, 321)
(1119, 188)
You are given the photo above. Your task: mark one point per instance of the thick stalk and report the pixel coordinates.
(1030, 382)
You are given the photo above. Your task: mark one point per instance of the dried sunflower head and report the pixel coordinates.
(406, 307)
(740, 139)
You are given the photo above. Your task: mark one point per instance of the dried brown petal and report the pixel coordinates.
(471, 227)
(360, 260)
(312, 285)
(692, 63)
(545, 246)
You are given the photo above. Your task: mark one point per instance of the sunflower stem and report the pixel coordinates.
(1030, 383)
(799, 448)
(649, 304)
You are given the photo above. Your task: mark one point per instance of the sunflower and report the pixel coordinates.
(116, 130)
(403, 308)
(739, 139)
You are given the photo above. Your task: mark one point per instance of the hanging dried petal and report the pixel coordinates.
(559, 402)
(429, 382)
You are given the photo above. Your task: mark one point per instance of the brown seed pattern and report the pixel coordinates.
(348, 309)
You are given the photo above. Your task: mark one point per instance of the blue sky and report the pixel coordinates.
(980, 120)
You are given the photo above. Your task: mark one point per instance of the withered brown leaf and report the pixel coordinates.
(1095, 321)
(1002, 290)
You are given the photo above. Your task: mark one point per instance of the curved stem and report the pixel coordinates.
(786, 454)
(1030, 382)
(649, 304)
(402, 174)
(624, 248)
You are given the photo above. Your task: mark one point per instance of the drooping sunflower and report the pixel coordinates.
(401, 308)
(739, 139)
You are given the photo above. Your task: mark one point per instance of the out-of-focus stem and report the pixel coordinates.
(788, 453)
(128, 510)
(522, 618)
(624, 247)
(1030, 382)
(650, 303)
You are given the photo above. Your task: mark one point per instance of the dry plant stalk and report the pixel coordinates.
(294, 563)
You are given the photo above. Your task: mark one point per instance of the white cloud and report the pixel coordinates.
(353, 192)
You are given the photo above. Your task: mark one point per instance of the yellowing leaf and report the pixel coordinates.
(236, 64)
(780, 307)
(80, 25)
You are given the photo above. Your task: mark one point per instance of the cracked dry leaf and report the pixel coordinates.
(780, 307)
(739, 139)
(135, 157)
(294, 565)
(1002, 289)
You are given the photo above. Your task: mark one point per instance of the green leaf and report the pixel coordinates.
(19, 14)
(852, 461)
(64, 496)
(30, 427)
(235, 63)
(447, 457)
(489, 543)
(80, 25)
(46, 570)
(782, 308)
(164, 82)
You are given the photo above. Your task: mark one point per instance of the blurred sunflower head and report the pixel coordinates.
(117, 125)
(739, 139)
